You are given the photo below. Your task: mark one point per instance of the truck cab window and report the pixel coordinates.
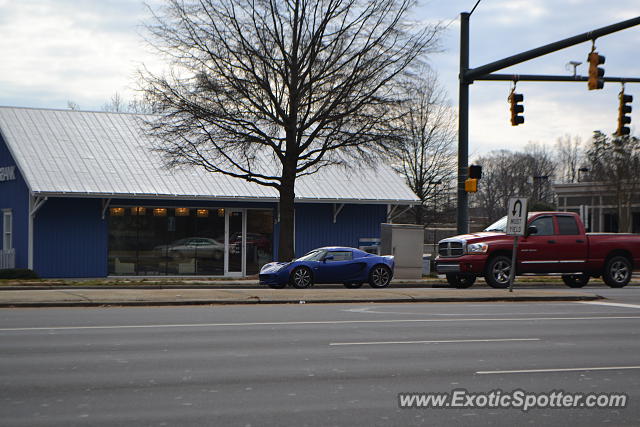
(567, 225)
(544, 225)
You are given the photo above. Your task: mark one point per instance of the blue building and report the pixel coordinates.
(83, 194)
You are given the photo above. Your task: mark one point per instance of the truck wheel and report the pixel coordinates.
(461, 280)
(617, 271)
(575, 280)
(497, 272)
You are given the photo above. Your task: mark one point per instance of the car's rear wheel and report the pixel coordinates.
(301, 278)
(380, 276)
(617, 271)
(461, 280)
(575, 280)
(497, 272)
(352, 285)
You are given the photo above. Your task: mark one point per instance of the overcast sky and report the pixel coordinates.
(55, 51)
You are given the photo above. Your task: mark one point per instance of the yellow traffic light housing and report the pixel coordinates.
(471, 185)
(596, 73)
(516, 108)
(623, 110)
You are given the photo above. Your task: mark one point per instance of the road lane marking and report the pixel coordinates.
(369, 310)
(533, 371)
(610, 304)
(433, 341)
(319, 322)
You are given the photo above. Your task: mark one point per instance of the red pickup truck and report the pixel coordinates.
(555, 242)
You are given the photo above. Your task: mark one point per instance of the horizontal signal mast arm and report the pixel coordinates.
(484, 70)
(549, 78)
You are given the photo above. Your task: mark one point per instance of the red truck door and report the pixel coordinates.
(538, 253)
(572, 244)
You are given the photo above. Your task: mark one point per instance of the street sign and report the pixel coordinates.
(517, 216)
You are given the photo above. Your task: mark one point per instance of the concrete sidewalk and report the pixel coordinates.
(70, 297)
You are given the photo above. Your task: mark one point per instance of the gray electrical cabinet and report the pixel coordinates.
(405, 243)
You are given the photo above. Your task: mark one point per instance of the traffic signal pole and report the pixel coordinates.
(463, 126)
(469, 75)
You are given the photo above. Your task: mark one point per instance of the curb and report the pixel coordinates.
(254, 301)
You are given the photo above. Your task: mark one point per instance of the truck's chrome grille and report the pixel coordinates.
(450, 249)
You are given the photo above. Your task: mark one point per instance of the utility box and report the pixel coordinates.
(404, 242)
(426, 264)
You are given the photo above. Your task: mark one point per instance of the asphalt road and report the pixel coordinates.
(315, 365)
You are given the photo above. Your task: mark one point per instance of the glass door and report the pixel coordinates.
(234, 256)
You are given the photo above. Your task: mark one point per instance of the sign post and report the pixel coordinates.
(517, 214)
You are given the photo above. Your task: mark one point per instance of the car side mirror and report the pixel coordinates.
(328, 258)
(532, 229)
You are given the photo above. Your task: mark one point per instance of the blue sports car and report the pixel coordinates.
(349, 266)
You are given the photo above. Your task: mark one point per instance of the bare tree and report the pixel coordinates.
(72, 105)
(570, 156)
(271, 90)
(507, 174)
(616, 162)
(116, 104)
(138, 105)
(425, 155)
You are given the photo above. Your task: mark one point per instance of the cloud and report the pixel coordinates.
(84, 50)
(513, 12)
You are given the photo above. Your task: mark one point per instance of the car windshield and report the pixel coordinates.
(499, 226)
(315, 255)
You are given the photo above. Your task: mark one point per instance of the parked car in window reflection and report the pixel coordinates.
(192, 247)
(260, 241)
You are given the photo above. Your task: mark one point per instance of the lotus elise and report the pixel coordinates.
(349, 266)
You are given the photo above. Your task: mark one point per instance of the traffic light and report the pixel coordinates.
(516, 108)
(475, 171)
(471, 185)
(596, 73)
(623, 110)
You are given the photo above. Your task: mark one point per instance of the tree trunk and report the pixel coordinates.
(419, 215)
(287, 196)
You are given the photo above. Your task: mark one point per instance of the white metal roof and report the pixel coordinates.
(100, 154)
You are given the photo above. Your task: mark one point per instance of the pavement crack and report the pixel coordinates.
(84, 297)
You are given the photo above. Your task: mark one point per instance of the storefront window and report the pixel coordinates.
(259, 239)
(185, 241)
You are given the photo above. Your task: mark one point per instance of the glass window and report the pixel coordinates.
(315, 255)
(7, 229)
(144, 243)
(567, 225)
(544, 225)
(340, 255)
(259, 239)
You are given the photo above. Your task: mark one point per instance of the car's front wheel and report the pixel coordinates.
(301, 278)
(461, 280)
(380, 276)
(497, 272)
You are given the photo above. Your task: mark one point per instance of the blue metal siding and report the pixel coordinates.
(70, 238)
(14, 195)
(315, 227)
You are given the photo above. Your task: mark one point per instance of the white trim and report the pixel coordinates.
(7, 230)
(226, 198)
(105, 206)
(337, 208)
